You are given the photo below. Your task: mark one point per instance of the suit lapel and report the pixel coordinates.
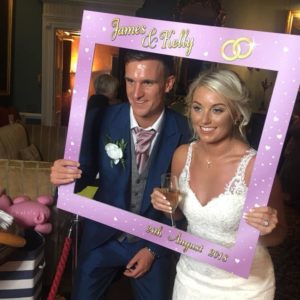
(119, 128)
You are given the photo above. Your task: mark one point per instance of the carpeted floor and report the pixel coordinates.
(286, 259)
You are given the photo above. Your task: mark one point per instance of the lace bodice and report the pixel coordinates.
(218, 222)
(219, 219)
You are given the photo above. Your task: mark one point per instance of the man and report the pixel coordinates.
(105, 250)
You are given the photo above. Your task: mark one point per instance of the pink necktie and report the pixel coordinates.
(142, 146)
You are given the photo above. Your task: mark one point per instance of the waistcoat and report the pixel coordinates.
(138, 183)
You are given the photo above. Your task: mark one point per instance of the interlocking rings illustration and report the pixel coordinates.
(237, 48)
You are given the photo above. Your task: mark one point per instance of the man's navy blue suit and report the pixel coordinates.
(100, 247)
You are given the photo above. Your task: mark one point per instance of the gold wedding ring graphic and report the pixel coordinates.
(237, 48)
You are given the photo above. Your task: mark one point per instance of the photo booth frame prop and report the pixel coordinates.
(279, 52)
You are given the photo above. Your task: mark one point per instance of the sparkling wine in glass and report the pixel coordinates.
(170, 188)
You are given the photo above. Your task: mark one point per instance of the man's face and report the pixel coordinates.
(146, 86)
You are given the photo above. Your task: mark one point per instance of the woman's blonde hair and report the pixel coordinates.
(229, 85)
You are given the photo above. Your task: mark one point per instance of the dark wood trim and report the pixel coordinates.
(6, 13)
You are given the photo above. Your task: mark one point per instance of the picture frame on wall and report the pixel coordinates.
(6, 18)
(293, 23)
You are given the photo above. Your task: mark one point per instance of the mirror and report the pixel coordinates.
(225, 46)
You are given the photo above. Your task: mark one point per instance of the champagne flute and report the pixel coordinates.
(170, 188)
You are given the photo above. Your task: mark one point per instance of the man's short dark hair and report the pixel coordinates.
(167, 61)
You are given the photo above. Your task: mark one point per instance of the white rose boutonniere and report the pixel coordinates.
(115, 151)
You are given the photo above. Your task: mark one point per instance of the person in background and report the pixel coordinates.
(290, 169)
(106, 91)
(214, 172)
(9, 115)
(126, 181)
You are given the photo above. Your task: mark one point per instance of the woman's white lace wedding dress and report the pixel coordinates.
(218, 222)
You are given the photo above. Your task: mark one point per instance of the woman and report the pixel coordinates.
(214, 172)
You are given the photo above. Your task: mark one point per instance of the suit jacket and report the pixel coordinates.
(97, 101)
(115, 181)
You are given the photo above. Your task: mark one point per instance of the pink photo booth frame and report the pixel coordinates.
(278, 52)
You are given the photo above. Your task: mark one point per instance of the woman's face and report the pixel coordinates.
(211, 117)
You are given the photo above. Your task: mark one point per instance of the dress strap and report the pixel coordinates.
(188, 160)
(237, 184)
(244, 163)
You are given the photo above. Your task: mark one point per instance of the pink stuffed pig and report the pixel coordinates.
(28, 213)
(5, 201)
